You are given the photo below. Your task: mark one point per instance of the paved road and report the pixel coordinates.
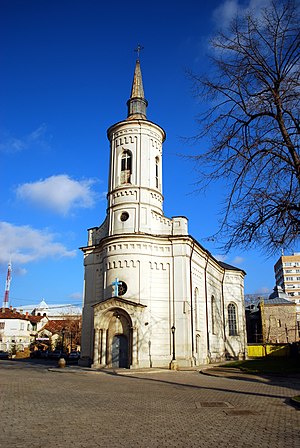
(77, 408)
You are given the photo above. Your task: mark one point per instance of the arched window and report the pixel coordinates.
(232, 321)
(156, 172)
(126, 167)
(213, 315)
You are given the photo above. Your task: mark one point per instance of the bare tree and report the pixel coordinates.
(253, 125)
(72, 331)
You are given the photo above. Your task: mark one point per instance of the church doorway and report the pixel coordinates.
(120, 351)
(114, 336)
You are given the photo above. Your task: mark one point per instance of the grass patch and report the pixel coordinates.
(268, 364)
(297, 398)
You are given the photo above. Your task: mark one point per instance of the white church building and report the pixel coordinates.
(153, 296)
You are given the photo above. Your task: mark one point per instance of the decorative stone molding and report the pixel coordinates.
(116, 302)
(158, 266)
(121, 264)
(123, 193)
(136, 247)
(126, 140)
(156, 196)
(126, 131)
(155, 143)
(157, 136)
(197, 273)
(161, 219)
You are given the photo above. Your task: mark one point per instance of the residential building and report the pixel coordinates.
(272, 320)
(63, 333)
(287, 275)
(153, 295)
(17, 330)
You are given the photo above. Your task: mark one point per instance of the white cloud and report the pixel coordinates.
(23, 244)
(11, 144)
(58, 193)
(238, 260)
(224, 13)
(19, 271)
(229, 9)
(76, 295)
(263, 290)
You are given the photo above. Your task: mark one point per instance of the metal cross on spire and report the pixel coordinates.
(138, 49)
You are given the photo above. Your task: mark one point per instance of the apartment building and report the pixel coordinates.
(287, 275)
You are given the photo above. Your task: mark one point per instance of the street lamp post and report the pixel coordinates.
(173, 342)
(173, 364)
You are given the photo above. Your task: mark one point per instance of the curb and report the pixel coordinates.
(106, 371)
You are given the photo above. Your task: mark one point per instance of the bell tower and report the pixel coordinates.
(135, 175)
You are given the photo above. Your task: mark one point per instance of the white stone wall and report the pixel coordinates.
(157, 273)
(161, 265)
(234, 293)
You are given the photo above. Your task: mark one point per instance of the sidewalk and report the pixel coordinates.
(153, 408)
(215, 370)
(123, 371)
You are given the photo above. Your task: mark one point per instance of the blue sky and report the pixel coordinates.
(67, 69)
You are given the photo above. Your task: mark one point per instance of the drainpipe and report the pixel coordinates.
(192, 312)
(223, 309)
(172, 317)
(206, 306)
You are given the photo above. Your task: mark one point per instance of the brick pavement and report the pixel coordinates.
(79, 408)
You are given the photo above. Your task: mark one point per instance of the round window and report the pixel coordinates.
(122, 288)
(124, 216)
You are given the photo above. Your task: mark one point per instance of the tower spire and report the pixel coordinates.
(137, 103)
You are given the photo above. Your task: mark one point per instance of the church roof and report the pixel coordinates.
(42, 304)
(229, 266)
(52, 310)
(278, 293)
(137, 90)
(137, 103)
(279, 297)
(278, 301)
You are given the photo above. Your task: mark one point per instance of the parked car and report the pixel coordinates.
(56, 354)
(44, 354)
(35, 354)
(4, 355)
(74, 356)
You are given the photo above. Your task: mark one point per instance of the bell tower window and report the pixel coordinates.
(126, 167)
(156, 172)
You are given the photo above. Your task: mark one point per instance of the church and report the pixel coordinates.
(153, 296)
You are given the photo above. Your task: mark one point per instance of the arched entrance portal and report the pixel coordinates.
(119, 341)
(120, 351)
(115, 333)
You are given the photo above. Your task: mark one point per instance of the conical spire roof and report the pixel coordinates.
(137, 90)
(137, 103)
